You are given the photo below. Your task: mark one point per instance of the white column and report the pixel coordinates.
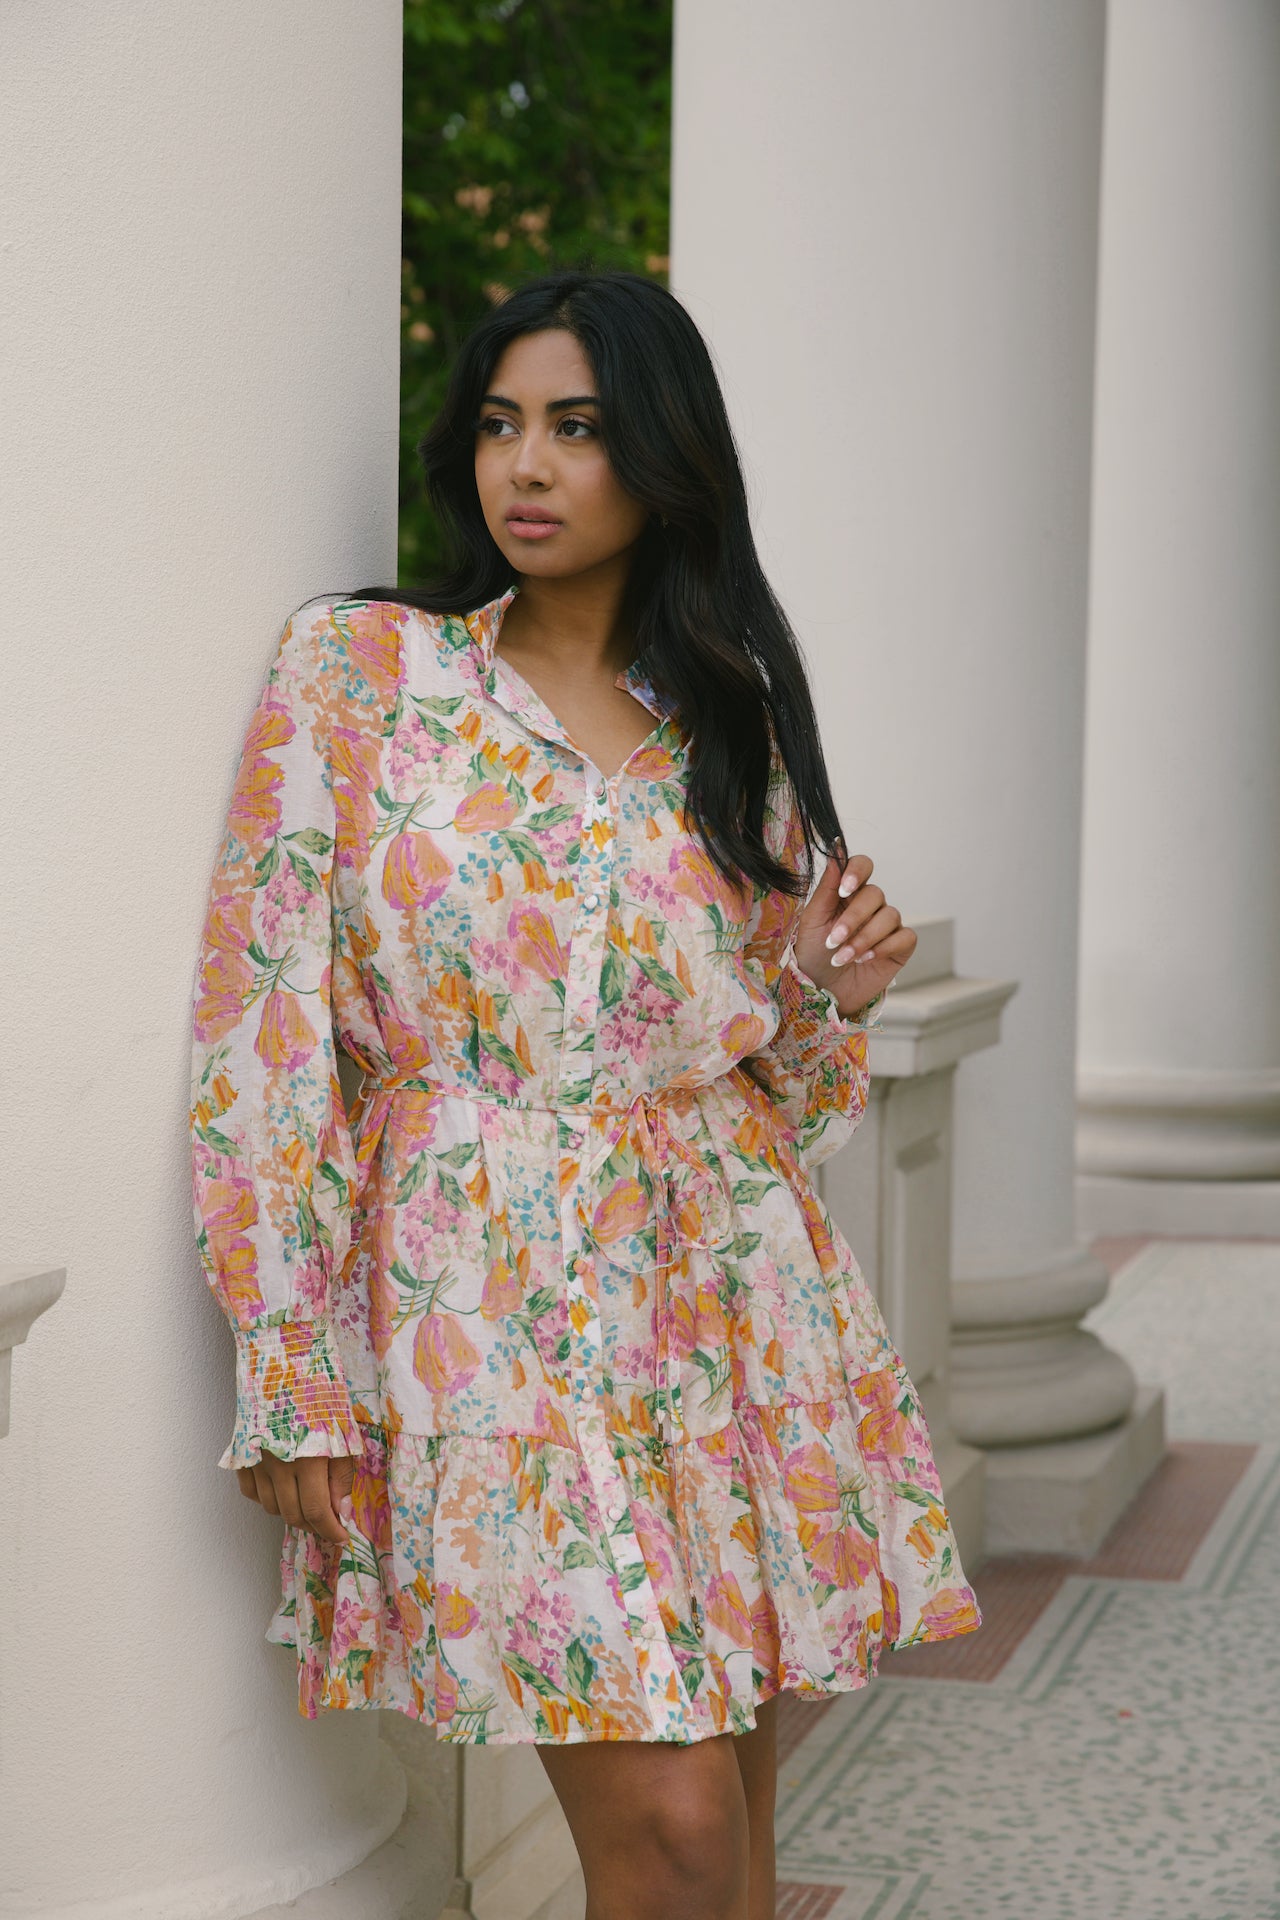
(885, 220)
(1180, 963)
(199, 339)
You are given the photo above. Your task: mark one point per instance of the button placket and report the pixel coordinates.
(665, 1695)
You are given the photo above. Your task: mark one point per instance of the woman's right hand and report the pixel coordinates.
(312, 1494)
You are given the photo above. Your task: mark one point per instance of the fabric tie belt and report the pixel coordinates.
(685, 1195)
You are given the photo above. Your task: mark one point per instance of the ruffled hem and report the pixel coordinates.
(483, 1590)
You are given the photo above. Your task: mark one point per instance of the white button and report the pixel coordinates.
(582, 1017)
(591, 902)
(602, 791)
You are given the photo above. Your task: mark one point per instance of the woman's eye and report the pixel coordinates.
(573, 421)
(490, 420)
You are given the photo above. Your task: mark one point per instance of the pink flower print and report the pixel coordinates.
(415, 872)
(455, 1614)
(542, 1625)
(443, 1358)
(225, 979)
(884, 1434)
(537, 943)
(844, 1559)
(653, 1544)
(375, 640)
(493, 959)
(283, 894)
(491, 805)
(953, 1610)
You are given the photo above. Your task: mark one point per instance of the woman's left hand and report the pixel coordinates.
(851, 942)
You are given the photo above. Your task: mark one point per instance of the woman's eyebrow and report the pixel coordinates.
(553, 406)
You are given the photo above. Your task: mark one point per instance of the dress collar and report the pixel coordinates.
(484, 624)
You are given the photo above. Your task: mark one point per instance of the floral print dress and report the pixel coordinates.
(634, 1451)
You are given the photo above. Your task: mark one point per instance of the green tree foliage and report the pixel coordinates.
(537, 134)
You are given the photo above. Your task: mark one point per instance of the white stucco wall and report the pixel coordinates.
(199, 340)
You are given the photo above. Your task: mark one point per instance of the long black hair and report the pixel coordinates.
(709, 630)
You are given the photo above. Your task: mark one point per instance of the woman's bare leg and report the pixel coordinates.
(757, 1756)
(661, 1830)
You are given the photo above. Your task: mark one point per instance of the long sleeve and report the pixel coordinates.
(814, 1067)
(273, 1166)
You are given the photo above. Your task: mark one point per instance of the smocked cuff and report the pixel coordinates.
(812, 1026)
(291, 1396)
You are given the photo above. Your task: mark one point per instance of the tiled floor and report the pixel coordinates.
(1107, 1745)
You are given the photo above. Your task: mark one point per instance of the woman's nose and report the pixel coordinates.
(531, 462)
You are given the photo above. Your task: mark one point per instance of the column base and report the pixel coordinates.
(1064, 1496)
(1200, 1209)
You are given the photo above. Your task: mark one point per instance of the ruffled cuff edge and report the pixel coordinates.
(291, 1396)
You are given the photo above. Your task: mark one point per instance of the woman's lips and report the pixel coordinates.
(534, 529)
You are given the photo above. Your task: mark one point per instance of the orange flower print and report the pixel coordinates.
(503, 1292)
(491, 805)
(254, 813)
(843, 1558)
(286, 1037)
(443, 1358)
(624, 1209)
(229, 923)
(725, 1608)
(225, 979)
(651, 763)
(415, 872)
(741, 1035)
(355, 776)
(535, 942)
(370, 1508)
(230, 1208)
(951, 1611)
(884, 1433)
(809, 1477)
(455, 1615)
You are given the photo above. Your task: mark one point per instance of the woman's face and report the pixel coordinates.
(539, 454)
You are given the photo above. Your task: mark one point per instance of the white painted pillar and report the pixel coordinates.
(199, 337)
(1180, 965)
(885, 220)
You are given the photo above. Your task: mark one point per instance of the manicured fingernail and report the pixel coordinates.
(848, 885)
(843, 957)
(836, 935)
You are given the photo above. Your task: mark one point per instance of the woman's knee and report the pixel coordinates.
(695, 1838)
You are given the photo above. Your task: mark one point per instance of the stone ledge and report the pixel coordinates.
(25, 1293)
(1065, 1496)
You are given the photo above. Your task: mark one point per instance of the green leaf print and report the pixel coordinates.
(633, 1576)
(749, 1193)
(304, 870)
(613, 978)
(219, 1143)
(526, 1671)
(549, 817)
(312, 840)
(267, 865)
(654, 971)
(581, 1669)
(578, 1553)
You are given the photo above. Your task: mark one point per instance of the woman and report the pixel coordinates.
(584, 1425)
